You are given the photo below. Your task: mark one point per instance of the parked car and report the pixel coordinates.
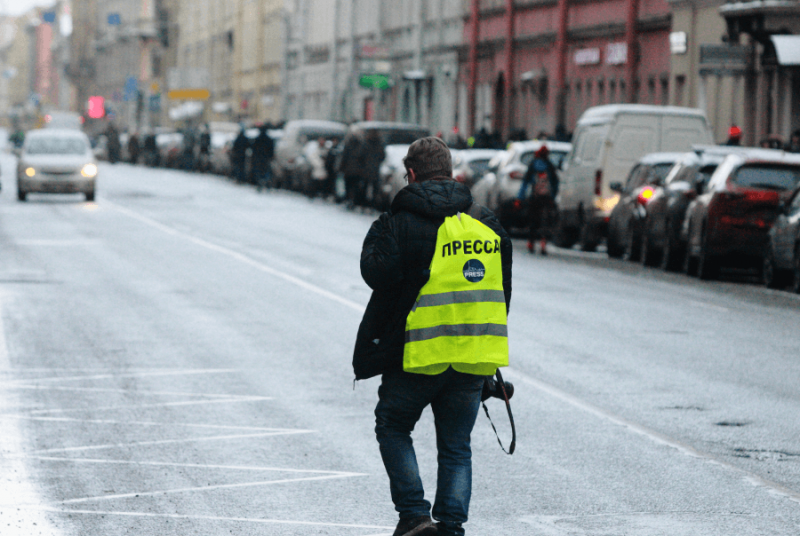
(56, 161)
(608, 141)
(626, 221)
(502, 194)
(782, 259)
(666, 209)
(294, 137)
(470, 165)
(730, 222)
(219, 159)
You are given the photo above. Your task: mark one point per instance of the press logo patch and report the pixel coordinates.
(474, 270)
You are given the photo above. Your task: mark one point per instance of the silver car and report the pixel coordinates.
(56, 161)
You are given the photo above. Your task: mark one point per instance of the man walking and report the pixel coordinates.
(542, 181)
(435, 328)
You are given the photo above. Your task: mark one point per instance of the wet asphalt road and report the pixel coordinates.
(175, 359)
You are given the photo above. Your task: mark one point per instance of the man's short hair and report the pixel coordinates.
(429, 157)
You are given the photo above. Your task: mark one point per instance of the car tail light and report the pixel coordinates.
(598, 181)
(516, 175)
(517, 204)
(645, 195)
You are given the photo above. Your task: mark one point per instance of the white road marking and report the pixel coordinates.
(212, 518)
(138, 423)
(16, 484)
(277, 432)
(50, 242)
(711, 306)
(114, 390)
(158, 405)
(239, 257)
(204, 488)
(167, 372)
(661, 439)
(255, 468)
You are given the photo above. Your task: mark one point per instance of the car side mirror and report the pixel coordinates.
(616, 187)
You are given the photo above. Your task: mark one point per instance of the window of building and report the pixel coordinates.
(664, 90)
(680, 89)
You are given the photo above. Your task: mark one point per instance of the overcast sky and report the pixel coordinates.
(18, 7)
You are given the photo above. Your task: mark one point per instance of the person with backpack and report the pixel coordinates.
(435, 329)
(538, 191)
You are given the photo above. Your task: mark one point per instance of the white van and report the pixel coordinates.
(608, 142)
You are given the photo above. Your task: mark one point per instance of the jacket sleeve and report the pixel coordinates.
(381, 265)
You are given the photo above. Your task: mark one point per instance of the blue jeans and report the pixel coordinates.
(455, 400)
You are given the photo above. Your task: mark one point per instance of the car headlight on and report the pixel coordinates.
(30, 172)
(89, 171)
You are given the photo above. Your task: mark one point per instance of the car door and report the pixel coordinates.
(786, 232)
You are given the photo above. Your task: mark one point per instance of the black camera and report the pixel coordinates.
(491, 389)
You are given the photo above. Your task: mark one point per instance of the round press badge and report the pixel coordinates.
(474, 270)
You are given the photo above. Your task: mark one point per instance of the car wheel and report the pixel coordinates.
(631, 252)
(646, 254)
(707, 265)
(613, 249)
(769, 274)
(796, 271)
(21, 196)
(90, 196)
(566, 237)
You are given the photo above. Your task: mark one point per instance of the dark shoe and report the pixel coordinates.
(444, 531)
(415, 526)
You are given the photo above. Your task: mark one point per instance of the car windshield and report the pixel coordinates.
(555, 157)
(60, 146)
(479, 167)
(661, 170)
(401, 137)
(768, 176)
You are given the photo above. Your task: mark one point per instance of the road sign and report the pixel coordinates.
(114, 19)
(188, 83)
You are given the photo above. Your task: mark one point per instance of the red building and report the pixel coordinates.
(538, 64)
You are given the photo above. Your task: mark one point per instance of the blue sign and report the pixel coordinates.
(114, 19)
(155, 102)
(49, 17)
(131, 89)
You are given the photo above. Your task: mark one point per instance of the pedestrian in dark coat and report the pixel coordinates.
(133, 148)
(373, 154)
(351, 166)
(395, 263)
(237, 156)
(263, 152)
(538, 192)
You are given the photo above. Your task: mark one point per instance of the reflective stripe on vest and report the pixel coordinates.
(459, 318)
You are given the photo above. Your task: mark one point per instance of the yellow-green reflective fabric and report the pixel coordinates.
(459, 318)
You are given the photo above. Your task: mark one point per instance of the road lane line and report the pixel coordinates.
(757, 481)
(17, 486)
(205, 488)
(191, 465)
(159, 405)
(168, 372)
(137, 423)
(211, 518)
(115, 390)
(237, 256)
(277, 432)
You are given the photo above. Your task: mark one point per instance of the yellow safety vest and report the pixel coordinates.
(459, 318)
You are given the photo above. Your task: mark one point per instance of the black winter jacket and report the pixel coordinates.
(395, 263)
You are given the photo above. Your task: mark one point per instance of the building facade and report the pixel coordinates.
(536, 65)
(236, 47)
(353, 60)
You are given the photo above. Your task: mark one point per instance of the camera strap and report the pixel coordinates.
(513, 445)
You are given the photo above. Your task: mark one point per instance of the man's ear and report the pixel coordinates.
(412, 177)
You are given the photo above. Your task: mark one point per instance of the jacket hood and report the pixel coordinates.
(433, 198)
